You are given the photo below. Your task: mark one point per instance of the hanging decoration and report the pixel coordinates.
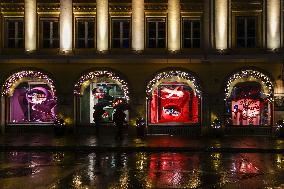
(250, 75)
(13, 81)
(85, 80)
(180, 75)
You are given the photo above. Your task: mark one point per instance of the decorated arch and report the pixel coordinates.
(249, 98)
(32, 97)
(101, 92)
(173, 97)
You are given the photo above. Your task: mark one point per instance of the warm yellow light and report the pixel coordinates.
(273, 24)
(173, 25)
(221, 22)
(102, 25)
(138, 25)
(66, 25)
(30, 25)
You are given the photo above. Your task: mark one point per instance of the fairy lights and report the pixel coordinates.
(85, 81)
(13, 81)
(250, 75)
(179, 76)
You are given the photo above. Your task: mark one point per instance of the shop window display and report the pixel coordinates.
(174, 102)
(32, 101)
(105, 95)
(249, 105)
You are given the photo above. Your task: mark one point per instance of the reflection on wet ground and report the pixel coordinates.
(140, 170)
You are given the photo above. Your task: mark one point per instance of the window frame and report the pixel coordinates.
(41, 38)
(120, 19)
(5, 33)
(89, 18)
(200, 30)
(258, 29)
(155, 19)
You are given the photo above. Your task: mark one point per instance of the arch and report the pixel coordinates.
(100, 92)
(174, 98)
(86, 79)
(32, 97)
(174, 75)
(15, 79)
(249, 75)
(249, 98)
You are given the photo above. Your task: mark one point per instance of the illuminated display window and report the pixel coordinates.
(174, 102)
(100, 94)
(120, 33)
(156, 33)
(191, 33)
(249, 105)
(32, 101)
(85, 36)
(14, 33)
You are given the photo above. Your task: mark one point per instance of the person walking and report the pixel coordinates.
(119, 119)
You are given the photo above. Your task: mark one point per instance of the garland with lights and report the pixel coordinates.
(12, 82)
(169, 74)
(99, 74)
(250, 74)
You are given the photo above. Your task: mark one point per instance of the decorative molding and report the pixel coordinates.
(246, 5)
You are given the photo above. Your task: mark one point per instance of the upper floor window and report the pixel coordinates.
(120, 33)
(191, 33)
(14, 33)
(156, 33)
(246, 32)
(85, 37)
(50, 33)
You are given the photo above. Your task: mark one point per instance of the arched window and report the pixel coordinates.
(174, 97)
(249, 97)
(31, 97)
(103, 91)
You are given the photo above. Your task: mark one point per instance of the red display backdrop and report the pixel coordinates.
(174, 102)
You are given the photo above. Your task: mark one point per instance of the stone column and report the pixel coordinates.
(221, 24)
(273, 8)
(102, 25)
(138, 25)
(173, 25)
(66, 20)
(30, 25)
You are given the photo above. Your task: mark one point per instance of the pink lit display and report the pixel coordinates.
(246, 112)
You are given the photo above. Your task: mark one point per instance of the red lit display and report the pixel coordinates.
(174, 102)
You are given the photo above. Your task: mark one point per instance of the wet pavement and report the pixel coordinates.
(86, 161)
(152, 141)
(140, 170)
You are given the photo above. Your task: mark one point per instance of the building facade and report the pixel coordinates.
(178, 63)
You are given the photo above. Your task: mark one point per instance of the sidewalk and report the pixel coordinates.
(107, 142)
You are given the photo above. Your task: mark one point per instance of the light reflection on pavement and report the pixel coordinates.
(140, 170)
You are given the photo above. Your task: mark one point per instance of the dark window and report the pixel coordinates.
(156, 32)
(50, 33)
(14, 34)
(246, 32)
(191, 33)
(85, 33)
(120, 34)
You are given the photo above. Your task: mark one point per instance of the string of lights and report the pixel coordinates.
(14, 80)
(170, 74)
(253, 74)
(85, 80)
